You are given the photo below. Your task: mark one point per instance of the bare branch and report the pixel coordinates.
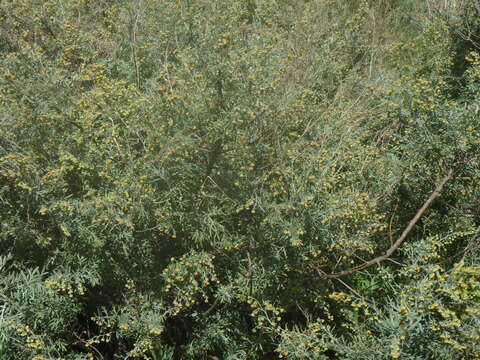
(211, 308)
(402, 237)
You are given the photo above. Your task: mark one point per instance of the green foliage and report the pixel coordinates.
(40, 310)
(177, 178)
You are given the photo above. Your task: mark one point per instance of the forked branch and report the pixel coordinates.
(402, 237)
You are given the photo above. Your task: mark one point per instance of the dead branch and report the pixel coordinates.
(402, 237)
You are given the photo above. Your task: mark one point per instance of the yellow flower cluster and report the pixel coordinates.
(61, 285)
(32, 341)
(188, 279)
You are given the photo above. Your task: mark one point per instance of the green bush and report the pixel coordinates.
(195, 179)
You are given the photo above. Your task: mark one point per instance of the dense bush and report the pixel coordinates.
(211, 179)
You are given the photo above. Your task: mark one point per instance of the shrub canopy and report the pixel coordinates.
(201, 179)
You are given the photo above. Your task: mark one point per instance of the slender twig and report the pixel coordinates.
(395, 262)
(211, 308)
(350, 288)
(114, 136)
(390, 224)
(402, 237)
(88, 346)
(218, 186)
(134, 43)
(472, 244)
(3, 312)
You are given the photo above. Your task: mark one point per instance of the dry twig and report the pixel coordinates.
(402, 237)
